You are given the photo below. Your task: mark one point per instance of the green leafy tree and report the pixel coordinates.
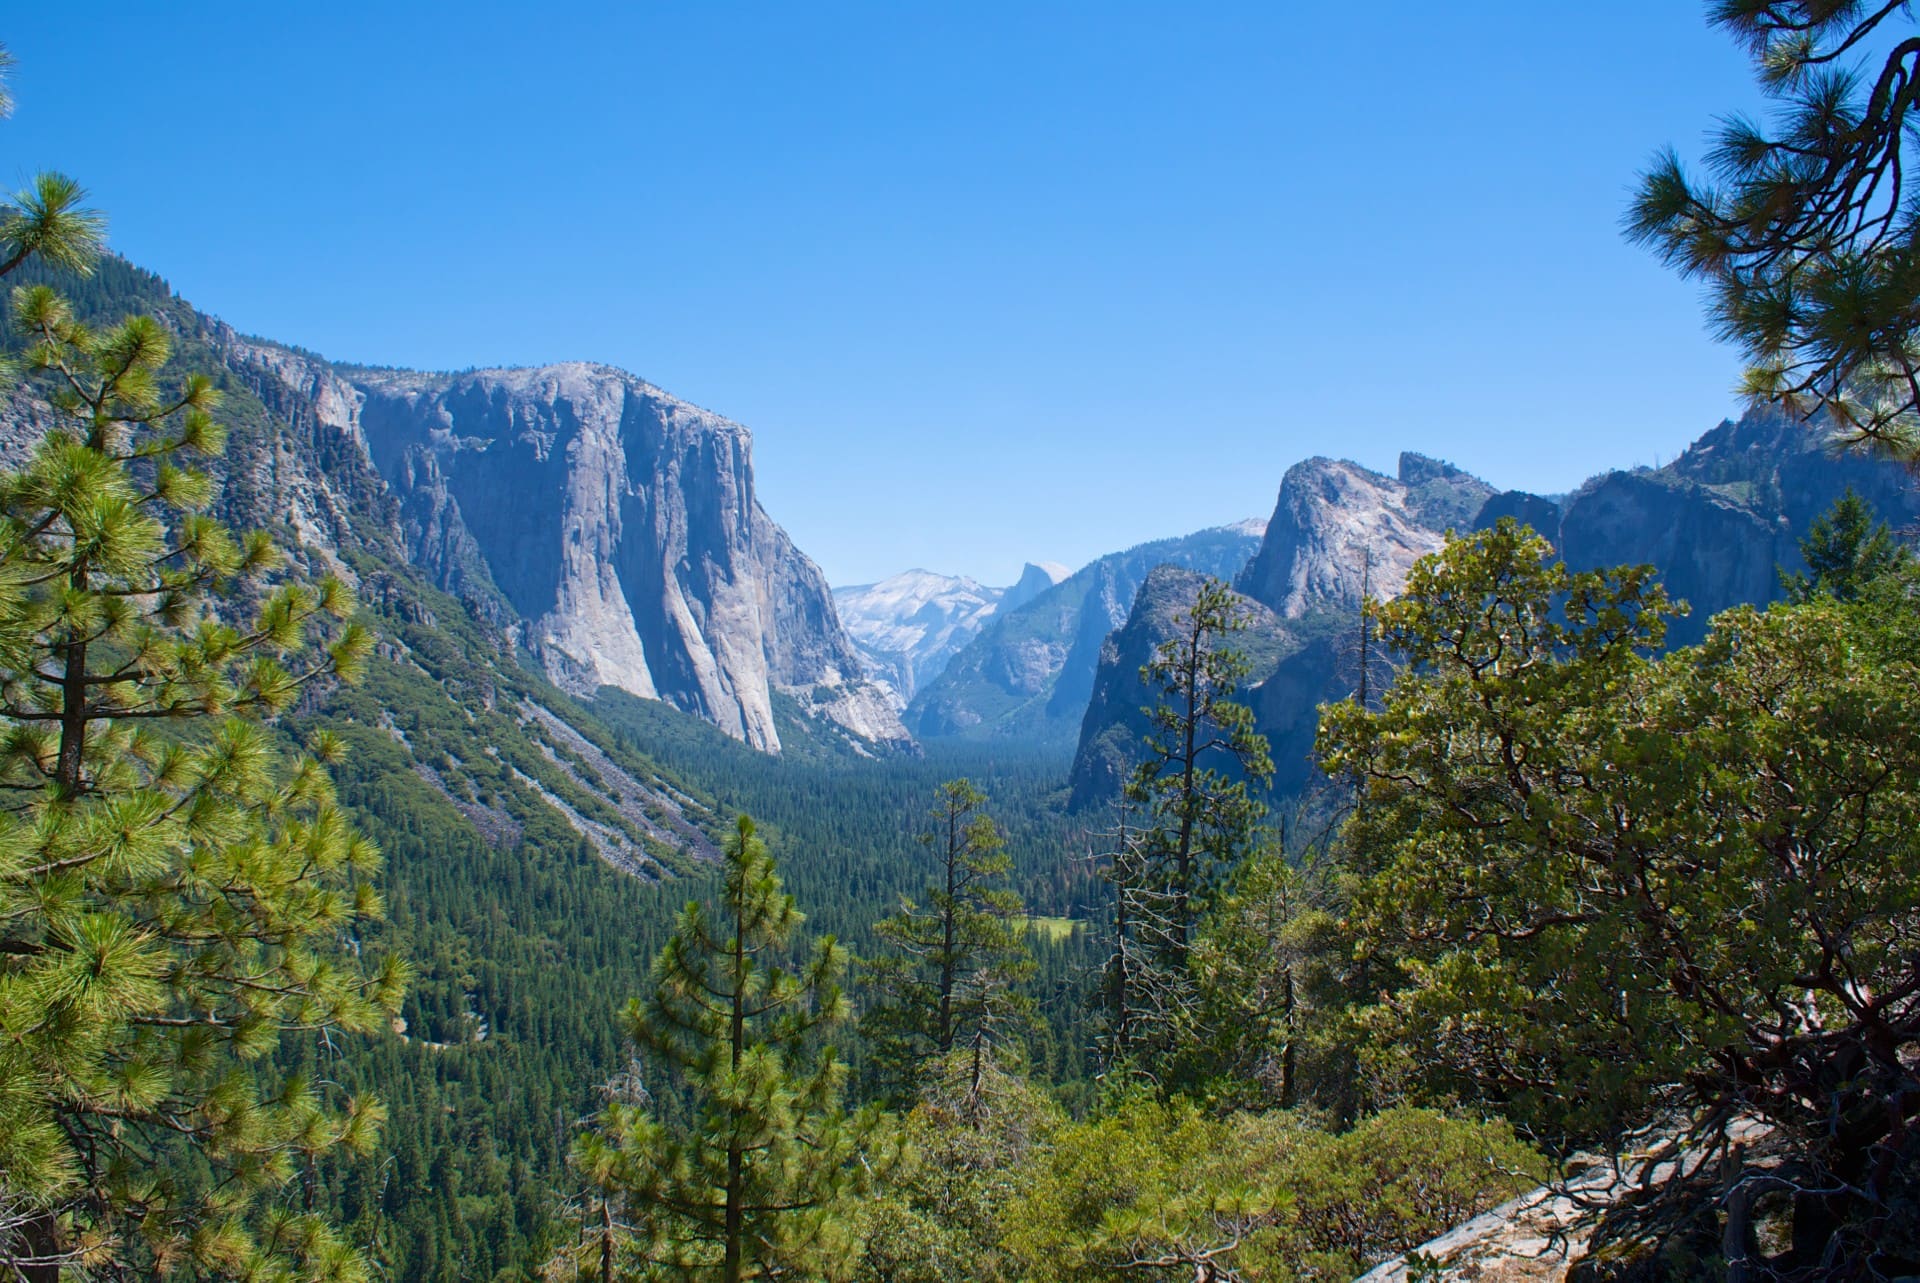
(1262, 971)
(747, 1189)
(949, 978)
(1158, 1190)
(969, 1147)
(1846, 552)
(1805, 228)
(174, 896)
(1197, 819)
(1606, 886)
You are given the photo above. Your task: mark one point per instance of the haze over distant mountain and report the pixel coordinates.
(1028, 674)
(907, 626)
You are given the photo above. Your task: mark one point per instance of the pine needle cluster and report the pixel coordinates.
(175, 892)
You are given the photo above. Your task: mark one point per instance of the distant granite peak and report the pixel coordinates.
(1338, 531)
(1035, 578)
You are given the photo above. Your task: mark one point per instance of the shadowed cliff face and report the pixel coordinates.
(1724, 518)
(1117, 722)
(620, 526)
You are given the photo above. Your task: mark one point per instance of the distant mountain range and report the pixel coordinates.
(909, 625)
(571, 529)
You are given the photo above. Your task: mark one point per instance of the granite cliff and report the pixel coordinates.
(1719, 523)
(1723, 518)
(590, 521)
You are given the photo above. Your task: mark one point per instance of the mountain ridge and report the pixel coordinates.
(1718, 523)
(907, 626)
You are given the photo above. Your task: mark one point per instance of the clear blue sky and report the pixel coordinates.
(989, 282)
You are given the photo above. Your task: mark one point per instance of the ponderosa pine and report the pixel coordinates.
(175, 894)
(746, 1188)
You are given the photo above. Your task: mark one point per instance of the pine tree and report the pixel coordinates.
(948, 981)
(1845, 551)
(47, 221)
(1806, 231)
(1198, 819)
(1201, 818)
(173, 895)
(745, 1190)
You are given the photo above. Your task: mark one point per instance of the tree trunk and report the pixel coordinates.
(944, 1039)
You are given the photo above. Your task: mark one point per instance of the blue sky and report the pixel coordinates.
(989, 282)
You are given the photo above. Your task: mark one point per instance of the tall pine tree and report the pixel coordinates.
(948, 980)
(1197, 819)
(174, 896)
(745, 1189)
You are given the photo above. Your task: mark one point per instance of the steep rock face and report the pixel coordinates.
(503, 754)
(1711, 551)
(1527, 509)
(1028, 675)
(1116, 720)
(1718, 523)
(1339, 531)
(620, 527)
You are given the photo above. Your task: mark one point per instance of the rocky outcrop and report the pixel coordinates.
(1718, 523)
(1339, 534)
(1532, 510)
(1721, 520)
(1340, 531)
(1558, 1232)
(1029, 673)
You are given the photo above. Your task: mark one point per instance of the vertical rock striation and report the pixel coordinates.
(619, 527)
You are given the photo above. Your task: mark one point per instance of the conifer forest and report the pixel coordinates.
(449, 831)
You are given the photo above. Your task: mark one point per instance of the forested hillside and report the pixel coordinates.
(446, 832)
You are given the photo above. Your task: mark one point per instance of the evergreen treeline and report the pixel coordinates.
(274, 1006)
